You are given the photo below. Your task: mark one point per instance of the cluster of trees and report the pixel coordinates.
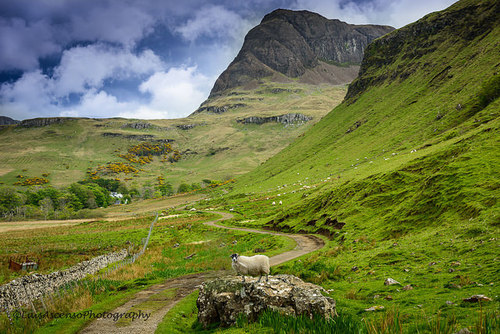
(77, 200)
(53, 203)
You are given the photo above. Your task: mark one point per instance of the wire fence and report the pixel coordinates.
(34, 290)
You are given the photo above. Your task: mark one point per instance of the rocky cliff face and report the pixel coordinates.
(286, 119)
(400, 53)
(293, 44)
(39, 122)
(4, 120)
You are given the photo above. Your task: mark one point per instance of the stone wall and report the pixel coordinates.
(31, 287)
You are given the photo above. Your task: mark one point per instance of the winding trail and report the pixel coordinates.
(187, 284)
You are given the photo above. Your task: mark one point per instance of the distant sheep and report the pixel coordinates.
(251, 265)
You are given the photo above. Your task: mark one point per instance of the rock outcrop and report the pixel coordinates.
(286, 119)
(4, 120)
(150, 138)
(218, 109)
(39, 122)
(295, 43)
(138, 125)
(188, 126)
(222, 300)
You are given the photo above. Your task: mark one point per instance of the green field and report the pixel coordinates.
(401, 180)
(61, 247)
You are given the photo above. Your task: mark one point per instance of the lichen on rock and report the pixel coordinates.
(222, 300)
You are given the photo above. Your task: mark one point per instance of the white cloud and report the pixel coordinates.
(214, 22)
(177, 92)
(22, 44)
(30, 30)
(87, 67)
(173, 94)
(396, 13)
(98, 104)
(31, 94)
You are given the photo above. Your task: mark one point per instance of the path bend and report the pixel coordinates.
(187, 284)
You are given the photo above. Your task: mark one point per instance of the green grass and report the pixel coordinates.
(408, 162)
(161, 261)
(67, 150)
(104, 303)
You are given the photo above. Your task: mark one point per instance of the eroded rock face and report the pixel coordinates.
(289, 42)
(222, 300)
(39, 122)
(4, 120)
(283, 119)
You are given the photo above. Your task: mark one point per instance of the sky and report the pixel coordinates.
(143, 59)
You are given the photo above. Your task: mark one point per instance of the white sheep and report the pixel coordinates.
(251, 265)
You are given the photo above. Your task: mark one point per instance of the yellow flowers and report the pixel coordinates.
(143, 153)
(161, 180)
(213, 185)
(117, 167)
(32, 181)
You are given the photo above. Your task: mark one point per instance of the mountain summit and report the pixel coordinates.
(299, 45)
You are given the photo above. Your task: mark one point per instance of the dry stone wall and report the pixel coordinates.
(31, 287)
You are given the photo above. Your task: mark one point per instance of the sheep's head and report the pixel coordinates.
(234, 257)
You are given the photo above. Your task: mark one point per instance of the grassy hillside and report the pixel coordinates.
(402, 177)
(406, 101)
(212, 146)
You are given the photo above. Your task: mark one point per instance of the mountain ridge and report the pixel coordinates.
(289, 44)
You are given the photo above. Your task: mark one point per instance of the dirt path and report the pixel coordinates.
(187, 284)
(34, 224)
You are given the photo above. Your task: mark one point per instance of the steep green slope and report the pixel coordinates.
(405, 105)
(418, 85)
(403, 178)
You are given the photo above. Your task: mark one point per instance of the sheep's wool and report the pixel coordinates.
(252, 266)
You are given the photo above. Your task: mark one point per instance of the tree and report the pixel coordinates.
(166, 189)
(46, 206)
(10, 199)
(184, 188)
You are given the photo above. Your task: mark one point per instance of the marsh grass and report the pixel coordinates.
(69, 299)
(60, 247)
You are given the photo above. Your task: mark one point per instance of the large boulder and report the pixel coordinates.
(222, 300)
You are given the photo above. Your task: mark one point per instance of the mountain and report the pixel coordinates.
(402, 178)
(414, 143)
(299, 45)
(4, 120)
